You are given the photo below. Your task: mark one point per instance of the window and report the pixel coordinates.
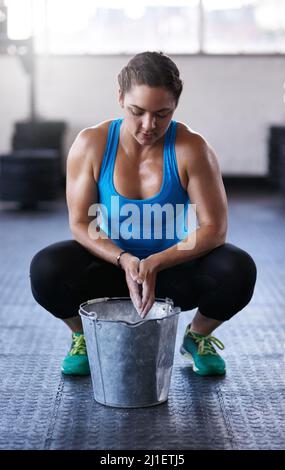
(238, 26)
(129, 26)
(121, 26)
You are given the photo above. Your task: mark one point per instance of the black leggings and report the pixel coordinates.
(220, 283)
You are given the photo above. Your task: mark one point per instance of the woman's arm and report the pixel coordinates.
(81, 193)
(206, 190)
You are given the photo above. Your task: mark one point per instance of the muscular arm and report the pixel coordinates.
(82, 192)
(206, 190)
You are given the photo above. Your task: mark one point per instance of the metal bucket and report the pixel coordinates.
(130, 358)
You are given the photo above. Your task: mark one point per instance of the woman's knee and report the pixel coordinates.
(232, 272)
(241, 262)
(239, 269)
(49, 265)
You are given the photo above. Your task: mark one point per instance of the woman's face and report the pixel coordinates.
(148, 112)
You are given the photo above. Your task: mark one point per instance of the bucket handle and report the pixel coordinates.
(175, 311)
(167, 301)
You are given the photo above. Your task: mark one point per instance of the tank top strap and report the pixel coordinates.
(111, 147)
(171, 166)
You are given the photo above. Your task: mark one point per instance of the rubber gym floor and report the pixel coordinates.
(42, 409)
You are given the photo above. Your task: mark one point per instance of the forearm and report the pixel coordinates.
(198, 243)
(104, 248)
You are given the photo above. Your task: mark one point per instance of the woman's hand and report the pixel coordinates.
(146, 277)
(130, 265)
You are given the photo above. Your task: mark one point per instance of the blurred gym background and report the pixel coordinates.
(59, 61)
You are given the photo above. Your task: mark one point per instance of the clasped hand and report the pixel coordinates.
(141, 280)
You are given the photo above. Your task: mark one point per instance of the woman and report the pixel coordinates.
(142, 160)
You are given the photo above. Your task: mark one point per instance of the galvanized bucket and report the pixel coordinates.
(130, 358)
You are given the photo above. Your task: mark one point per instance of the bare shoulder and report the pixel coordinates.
(192, 150)
(88, 148)
(92, 139)
(189, 142)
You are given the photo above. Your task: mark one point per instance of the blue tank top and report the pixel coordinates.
(143, 226)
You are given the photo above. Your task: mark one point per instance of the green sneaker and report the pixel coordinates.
(76, 361)
(199, 348)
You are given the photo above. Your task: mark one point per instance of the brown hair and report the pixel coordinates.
(154, 69)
